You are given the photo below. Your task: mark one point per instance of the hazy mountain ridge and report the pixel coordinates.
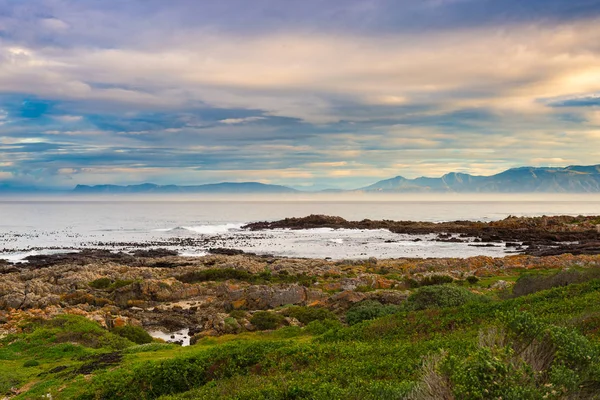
(225, 187)
(572, 179)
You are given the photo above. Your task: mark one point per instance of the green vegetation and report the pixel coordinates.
(367, 310)
(108, 284)
(133, 333)
(440, 296)
(265, 320)
(224, 274)
(535, 282)
(309, 314)
(444, 342)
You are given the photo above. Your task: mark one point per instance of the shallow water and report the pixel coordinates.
(30, 225)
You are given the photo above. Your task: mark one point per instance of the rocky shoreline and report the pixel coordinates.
(538, 236)
(219, 294)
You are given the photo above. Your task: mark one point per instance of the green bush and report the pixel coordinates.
(133, 333)
(101, 283)
(436, 280)
(237, 314)
(440, 296)
(108, 284)
(472, 279)
(264, 320)
(30, 363)
(319, 327)
(120, 283)
(532, 283)
(369, 309)
(309, 314)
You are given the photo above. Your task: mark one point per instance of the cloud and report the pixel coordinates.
(336, 92)
(233, 121)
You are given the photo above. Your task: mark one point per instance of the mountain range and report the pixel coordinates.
(225, 187)
(572, 179)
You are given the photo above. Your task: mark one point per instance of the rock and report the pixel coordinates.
(263, 297)
(388, 296)
(500, 285)
(154, 253)
(345, 299)
(290, 321)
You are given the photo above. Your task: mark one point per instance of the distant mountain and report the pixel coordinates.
(572, 179)
(225, 187)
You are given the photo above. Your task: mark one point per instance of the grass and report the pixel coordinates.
(464, 350)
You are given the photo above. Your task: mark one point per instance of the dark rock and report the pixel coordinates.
(154, 253)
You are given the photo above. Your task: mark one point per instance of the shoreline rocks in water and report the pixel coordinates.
(540, 235)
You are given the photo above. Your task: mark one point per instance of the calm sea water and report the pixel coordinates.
(28, 226)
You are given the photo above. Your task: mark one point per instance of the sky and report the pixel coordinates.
(310, 94)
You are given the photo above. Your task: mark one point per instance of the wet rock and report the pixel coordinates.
(154, 253)
(227, 252)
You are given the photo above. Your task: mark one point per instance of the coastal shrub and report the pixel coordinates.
(237, 314)
(119, 283)
(132, 333)
(472, 279)
(439, 296)
(435, 280)
(265, 320)
(214, 274)
(527, 359)
(223, 274)
(100, 283)
(369, 309)
(150, 380)
(30, 363)
(531, 283)
(319, 327)
(308, 314)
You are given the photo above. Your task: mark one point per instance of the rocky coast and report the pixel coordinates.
(92, 323)
(219, 293)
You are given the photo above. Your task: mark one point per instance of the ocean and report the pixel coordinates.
(193, 225)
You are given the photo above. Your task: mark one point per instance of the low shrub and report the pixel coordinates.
(309, 314)
(318, 327)
(100, 283)
(135, 334)
(264, 320)
(439, 296)
(436, 280)
(532, 283)
(369, 309)
(30, 363)
(472, 279)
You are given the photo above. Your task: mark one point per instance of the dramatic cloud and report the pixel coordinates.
(325, 93)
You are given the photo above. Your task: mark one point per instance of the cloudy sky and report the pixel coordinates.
(337, 93)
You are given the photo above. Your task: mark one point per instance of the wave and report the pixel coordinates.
(20, 256)
(204, 229)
